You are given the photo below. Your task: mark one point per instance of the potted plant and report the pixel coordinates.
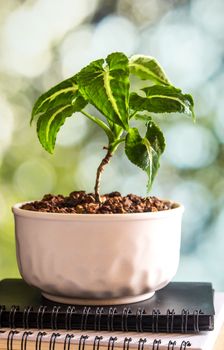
(92, 248)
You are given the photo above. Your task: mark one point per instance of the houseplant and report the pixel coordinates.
(107, 248)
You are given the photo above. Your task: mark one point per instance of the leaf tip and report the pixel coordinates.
(193, 115)
(49, 148)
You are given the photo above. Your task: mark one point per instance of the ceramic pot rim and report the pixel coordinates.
(16, 209)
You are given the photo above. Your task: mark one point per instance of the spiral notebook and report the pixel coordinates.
(178, 307)
(19, 339)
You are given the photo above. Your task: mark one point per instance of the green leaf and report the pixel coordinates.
(60, 95)
(156, 138)
(49, 122)
(105, 84)
(162, 99)
(53, 107)
(147, 68)
(145, 152)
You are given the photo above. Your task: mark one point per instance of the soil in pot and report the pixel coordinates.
(80, 202)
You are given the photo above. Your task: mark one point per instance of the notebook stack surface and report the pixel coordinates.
(176, 317)
(179, 307)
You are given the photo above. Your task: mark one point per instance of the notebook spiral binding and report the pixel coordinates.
(24, 339)
(67, 341)
(26, 313)
(40, 316)
(110, 319)
(111, 343)
(12, 315)
(39, 340)
(97, 318)
(68, 317)
(170, 320)
(54, 317)
(155, 320)
(31, 319)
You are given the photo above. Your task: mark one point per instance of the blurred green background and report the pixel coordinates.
(45, 41)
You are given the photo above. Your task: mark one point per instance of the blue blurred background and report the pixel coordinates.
(45, 41)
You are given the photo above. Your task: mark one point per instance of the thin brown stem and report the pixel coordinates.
(100, 169)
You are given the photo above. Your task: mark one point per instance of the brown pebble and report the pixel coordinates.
(154, 209)
(114, 194)
(79, 209)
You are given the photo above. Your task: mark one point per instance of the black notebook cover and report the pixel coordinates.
(178, 307)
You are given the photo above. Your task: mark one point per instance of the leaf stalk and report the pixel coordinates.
(101, 124)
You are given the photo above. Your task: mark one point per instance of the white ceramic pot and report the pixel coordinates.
(98, 258)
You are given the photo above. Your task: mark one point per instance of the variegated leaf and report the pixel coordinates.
(147, 68)
(50, 121)
(60, 95)
(105, 84)
(162, 99)
(145, 152)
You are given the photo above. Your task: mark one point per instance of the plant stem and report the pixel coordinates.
(100, 169)
(100, 123)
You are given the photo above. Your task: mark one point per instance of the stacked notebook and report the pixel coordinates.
(29, 321)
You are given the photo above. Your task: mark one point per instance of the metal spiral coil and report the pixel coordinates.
(24, 339)
(53, 340)
(12, 316)
(70, 311)
(67, 341)
(97, 319)
(40, 316)
(38, 342)
(26, 313)
(84, 319)
(110, 318)
(141, 344)
(54, 317)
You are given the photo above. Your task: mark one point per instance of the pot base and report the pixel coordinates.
(112, 301)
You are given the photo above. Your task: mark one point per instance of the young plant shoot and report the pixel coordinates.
(105, 84)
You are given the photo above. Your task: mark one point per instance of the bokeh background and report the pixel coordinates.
(45, 41)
